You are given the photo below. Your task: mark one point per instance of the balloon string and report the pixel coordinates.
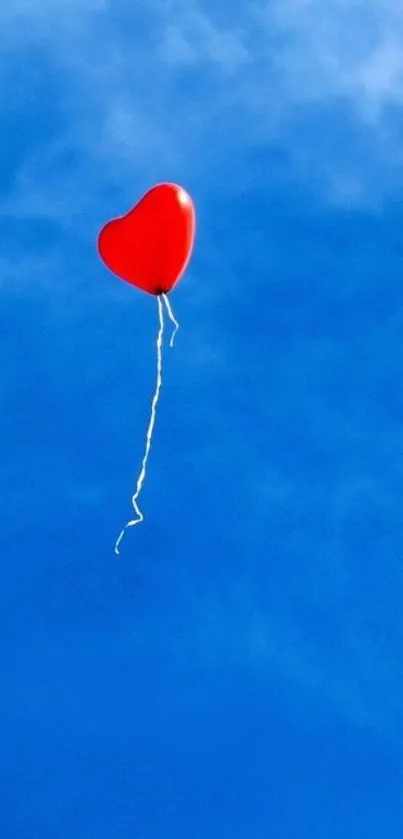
(140, 480)
(171, 318)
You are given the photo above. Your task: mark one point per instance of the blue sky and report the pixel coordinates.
(237, 671)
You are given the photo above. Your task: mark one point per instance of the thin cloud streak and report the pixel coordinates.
(274, 70)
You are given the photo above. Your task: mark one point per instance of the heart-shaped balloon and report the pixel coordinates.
(151, 245)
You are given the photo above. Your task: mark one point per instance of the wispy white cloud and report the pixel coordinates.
(193, 39)
(339, 48)
(122, 73)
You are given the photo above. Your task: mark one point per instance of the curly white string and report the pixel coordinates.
(171, 318)
(139, 517)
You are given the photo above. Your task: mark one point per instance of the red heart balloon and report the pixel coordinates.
(151, 245)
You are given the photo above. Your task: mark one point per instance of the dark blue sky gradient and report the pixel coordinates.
(237, 671)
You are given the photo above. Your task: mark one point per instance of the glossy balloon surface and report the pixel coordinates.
(151, 245)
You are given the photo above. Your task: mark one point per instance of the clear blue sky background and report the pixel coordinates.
(238, 671)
